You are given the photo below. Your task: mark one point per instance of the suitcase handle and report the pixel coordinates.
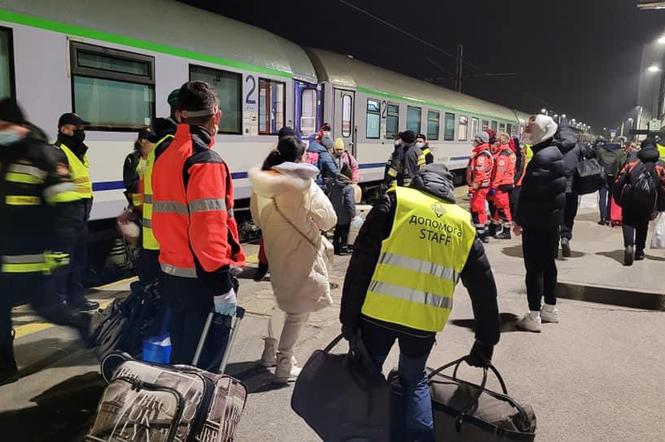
(357, 349)
(457, 362)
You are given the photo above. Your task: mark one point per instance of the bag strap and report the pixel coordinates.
(333, 343)
(307, 238)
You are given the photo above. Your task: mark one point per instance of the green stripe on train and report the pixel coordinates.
(80, 31)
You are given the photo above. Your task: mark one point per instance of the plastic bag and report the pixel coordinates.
(658, 238)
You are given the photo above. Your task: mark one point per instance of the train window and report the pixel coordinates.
(6, 64)
(308, 111)
(495, 126)
(509, 129)
(474, 127)
(272, 106)
(392, 121)
(112, 89)
(463, 128)
(373, 119)
(449, 127)
(347, 110)
(433, 125)
(502, 127)
(486, 124)
(413, 119)
(229, 87)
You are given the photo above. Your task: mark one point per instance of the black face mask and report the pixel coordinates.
(79, 136)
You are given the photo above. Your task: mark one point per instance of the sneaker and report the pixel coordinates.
(261, 272)
(530, 322)
(565, 248)
(84, 306)
(505, 234)
(549, 313)
(628, 256)
(269, 356)
(639, 255)
(602, 222)
(286, 370)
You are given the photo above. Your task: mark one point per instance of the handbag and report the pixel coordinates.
(328, 249)
(464, 411)
(343, 397)
(589, 176)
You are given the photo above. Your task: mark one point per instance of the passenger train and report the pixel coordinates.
(115, 62)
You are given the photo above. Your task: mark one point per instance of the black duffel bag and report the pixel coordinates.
(343, 396)
(589, 176)
(468, 412)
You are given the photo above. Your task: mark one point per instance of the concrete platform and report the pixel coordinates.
(595, 376)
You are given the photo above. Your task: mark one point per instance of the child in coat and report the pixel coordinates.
(342, 197)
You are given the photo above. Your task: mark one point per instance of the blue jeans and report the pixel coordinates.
(414, 352)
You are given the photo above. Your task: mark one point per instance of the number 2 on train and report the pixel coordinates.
(249, 98)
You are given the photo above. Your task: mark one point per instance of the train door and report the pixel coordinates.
(343, 124)
(308, 109)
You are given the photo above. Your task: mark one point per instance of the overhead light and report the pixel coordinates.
(653, 68)
(543, 111)
(650, 4)
(661, 40)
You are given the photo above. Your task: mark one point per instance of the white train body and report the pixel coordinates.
(99, 58)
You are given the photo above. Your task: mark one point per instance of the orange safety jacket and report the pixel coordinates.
(479, 171)
(504, 167)
(192, 214)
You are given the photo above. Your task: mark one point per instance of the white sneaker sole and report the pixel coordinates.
(549, 321)
(523, 328)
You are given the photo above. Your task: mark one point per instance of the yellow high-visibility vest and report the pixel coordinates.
(79, 172)
(149, 240)
(528, 153)
(661, 152)
(420, 262)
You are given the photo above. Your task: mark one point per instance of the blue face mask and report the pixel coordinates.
(8, 137)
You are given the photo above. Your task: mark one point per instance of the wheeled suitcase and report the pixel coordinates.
(464, 411)
(159, 403)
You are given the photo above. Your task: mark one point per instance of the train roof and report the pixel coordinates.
(345, 72)
(170, 27)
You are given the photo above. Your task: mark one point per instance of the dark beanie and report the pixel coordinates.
(11, 112)
(286, 131)
(408, 136)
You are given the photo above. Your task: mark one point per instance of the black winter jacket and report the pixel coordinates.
(476, 276)
(543, 193)
(566, 140)
(342, 196)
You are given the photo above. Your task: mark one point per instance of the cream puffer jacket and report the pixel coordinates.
(291, 211)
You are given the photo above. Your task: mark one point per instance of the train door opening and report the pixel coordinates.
(343, 124)
(308, 110)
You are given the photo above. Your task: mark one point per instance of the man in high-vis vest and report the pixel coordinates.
(32, 191)
(192, 218)
(413, 248)
(72, 152)
(165, 129)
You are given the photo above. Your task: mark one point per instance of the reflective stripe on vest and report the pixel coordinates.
(79, 173)
(182, 272)
(24, 264)
(22, 200)
(661, 152)
(528, 153)
(149, 240)
(420, 262)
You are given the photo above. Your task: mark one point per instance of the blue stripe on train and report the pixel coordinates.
(102, 186)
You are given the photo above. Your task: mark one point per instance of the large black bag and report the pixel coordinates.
(589, 176)
(343, 396)
(468, 412)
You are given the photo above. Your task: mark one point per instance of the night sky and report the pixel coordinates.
(579, 57)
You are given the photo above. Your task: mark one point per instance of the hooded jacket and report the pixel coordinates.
(291, 211)
(633, 215)
(476, 276)
(325, 162)
(342, 197)
(543, 193)
(566, 140)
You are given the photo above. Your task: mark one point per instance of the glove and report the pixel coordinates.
(492, 192)
(480, 355)
(226, 303)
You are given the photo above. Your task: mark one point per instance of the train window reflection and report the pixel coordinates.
(228, 86)
(347, 108)
(272, 106)
(433, 125)
(308, 112)
(373, 119)
(392, 121)
(6, 64)
(413, 119)
(449, 128)
(463, 128)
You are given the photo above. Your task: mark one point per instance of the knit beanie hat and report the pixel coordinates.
(482, 138)
(541, 127)
(408, 136)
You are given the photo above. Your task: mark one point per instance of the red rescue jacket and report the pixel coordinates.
(479, 171)
(504, 167)
(193, 207)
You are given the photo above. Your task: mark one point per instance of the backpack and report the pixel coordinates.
(641, 191)
(610, 160)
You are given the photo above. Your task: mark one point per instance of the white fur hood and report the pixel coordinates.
(290, 177)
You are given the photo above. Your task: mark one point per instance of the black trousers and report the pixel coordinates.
(569, 214)
(540, 248)
(39, 291)
(69, 279)
(148, 266)
(341, 236)
(190, 302)
(636, 235)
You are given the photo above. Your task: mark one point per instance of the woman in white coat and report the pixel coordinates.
(291, 211)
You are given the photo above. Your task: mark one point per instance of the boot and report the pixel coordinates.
(639, 255)
(8, 369)
(628, 256)
(565, 248)
(269, 356)
(286, 370)
(491, 231)
(505, 233)
(260, 273)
